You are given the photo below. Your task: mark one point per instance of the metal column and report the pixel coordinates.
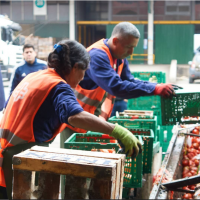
(150, 31)
(71, 20)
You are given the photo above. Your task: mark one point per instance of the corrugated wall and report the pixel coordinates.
(139, 49)
(173, 42)
(52, 30)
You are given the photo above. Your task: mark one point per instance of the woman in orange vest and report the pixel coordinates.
(43, 103)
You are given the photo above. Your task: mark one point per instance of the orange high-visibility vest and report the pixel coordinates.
(17, 122)
(90, 99)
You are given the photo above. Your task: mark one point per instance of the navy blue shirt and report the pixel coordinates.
(59, 105)
(23, 69)
(100, 73)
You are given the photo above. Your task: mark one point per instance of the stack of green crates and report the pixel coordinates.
(185, 103)
(147, 137)
(133, 169)
(137, 123)
(152, 103)
(148, 76)
(148, 102)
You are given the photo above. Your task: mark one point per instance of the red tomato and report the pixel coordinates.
(191, 150)
(186, 188)
(104, 150)
(194, 140)
(193, 172)
(192, 187)
(184, 175)
(190, 155)
(196, 162)
(196, 145)
(111, 150)
(197, 127)
(185, 162)
(186, 168)
(195, 131)
(187, 196)
(185, 172)
(154, 178)
(189, 174)
(185, 157)
(113, 141)
(193, 168)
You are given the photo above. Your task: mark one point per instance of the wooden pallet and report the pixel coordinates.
(88, 174)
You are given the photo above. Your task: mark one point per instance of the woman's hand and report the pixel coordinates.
(131, 143)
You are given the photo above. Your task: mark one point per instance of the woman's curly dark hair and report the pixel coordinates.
(71, 52)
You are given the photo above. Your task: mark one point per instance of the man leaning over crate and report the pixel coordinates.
(109, 76)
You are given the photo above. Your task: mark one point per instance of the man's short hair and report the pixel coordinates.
(26, 46)
(125, 28)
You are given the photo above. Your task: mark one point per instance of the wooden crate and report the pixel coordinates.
(103, 171)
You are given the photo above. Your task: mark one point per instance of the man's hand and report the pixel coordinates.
(164, 90)
(130, 142)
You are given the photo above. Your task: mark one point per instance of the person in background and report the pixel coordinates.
(120, 105)
(29, 65)
(53, 106)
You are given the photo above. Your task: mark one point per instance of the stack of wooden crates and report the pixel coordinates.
(43, 46)
(104, 173)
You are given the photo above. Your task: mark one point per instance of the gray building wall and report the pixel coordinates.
(54, 24)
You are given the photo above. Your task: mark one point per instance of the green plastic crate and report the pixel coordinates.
(146, 76)
(148, 138)
(137, 123)
(185, 103)
(125, 193)
(158, 113)
(133, 168)
(145, 103)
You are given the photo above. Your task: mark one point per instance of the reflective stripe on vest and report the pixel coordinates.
(108, 104)
(90, 99)
(17, 122)
(11, 137)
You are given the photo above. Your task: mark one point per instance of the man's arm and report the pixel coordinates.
(87, 121)
(126, 74)
(105, 76)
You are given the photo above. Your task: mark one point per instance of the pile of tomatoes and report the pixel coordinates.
(189, 163)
